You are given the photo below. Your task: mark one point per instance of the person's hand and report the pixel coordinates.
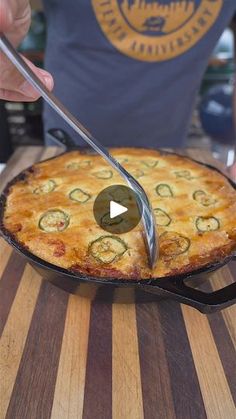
(15, 17)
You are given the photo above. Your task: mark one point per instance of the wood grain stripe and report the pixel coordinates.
(229, 316)
(223, 327)
(98, 381)
(69, 391)
(225, 349)
(221, 333)
(126, 379)
(4, 255)
(14, 335)
(221, 279)
(156, 386)
(185, 387)
(216, 394)
(8, 285)
(32, 395)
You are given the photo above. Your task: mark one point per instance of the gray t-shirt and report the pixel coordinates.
(130, 69)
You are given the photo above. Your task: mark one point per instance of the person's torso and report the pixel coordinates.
(130, 69)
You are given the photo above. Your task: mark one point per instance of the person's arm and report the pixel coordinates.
(15, 17)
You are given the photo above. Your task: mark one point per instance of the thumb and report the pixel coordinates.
(28, 90)
(14, 87)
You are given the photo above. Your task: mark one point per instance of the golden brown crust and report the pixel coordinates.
(193, 198)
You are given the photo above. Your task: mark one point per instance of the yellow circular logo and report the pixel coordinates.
(155, 30)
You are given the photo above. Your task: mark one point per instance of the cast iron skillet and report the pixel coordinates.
(176, 287)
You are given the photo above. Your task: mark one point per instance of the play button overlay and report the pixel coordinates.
(115, 209)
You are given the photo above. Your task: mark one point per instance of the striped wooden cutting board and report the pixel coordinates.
(63, 357)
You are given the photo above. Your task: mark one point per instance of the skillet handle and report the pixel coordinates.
(202, 301)
(61, 138)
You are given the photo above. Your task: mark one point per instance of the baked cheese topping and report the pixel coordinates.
(50, 212)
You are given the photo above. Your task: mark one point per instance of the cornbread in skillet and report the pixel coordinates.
(50, 212)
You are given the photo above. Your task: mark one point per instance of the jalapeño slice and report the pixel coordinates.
(137, 173)
(103, 174)
(173, 244)
(74, 165)
(122, 160)
(207, 224)
(162, 218)
(203, 198)
(79, 195)
(107, 249)
(46, 187)
(164, 190)
(54, 220)
(119, 193)
(106, 220)
(186, 174)
(150, 163)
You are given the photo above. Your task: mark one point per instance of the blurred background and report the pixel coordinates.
(212, 124)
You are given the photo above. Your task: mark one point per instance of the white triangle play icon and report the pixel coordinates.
(116, 209)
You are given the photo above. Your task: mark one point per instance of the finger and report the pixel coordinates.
(27, 89)
(13, 81)
(11, 96)
(10, 76)
(26, 92)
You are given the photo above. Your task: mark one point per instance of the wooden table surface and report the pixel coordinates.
(63, 357)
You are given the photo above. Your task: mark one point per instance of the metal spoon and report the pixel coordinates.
(148, 219)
